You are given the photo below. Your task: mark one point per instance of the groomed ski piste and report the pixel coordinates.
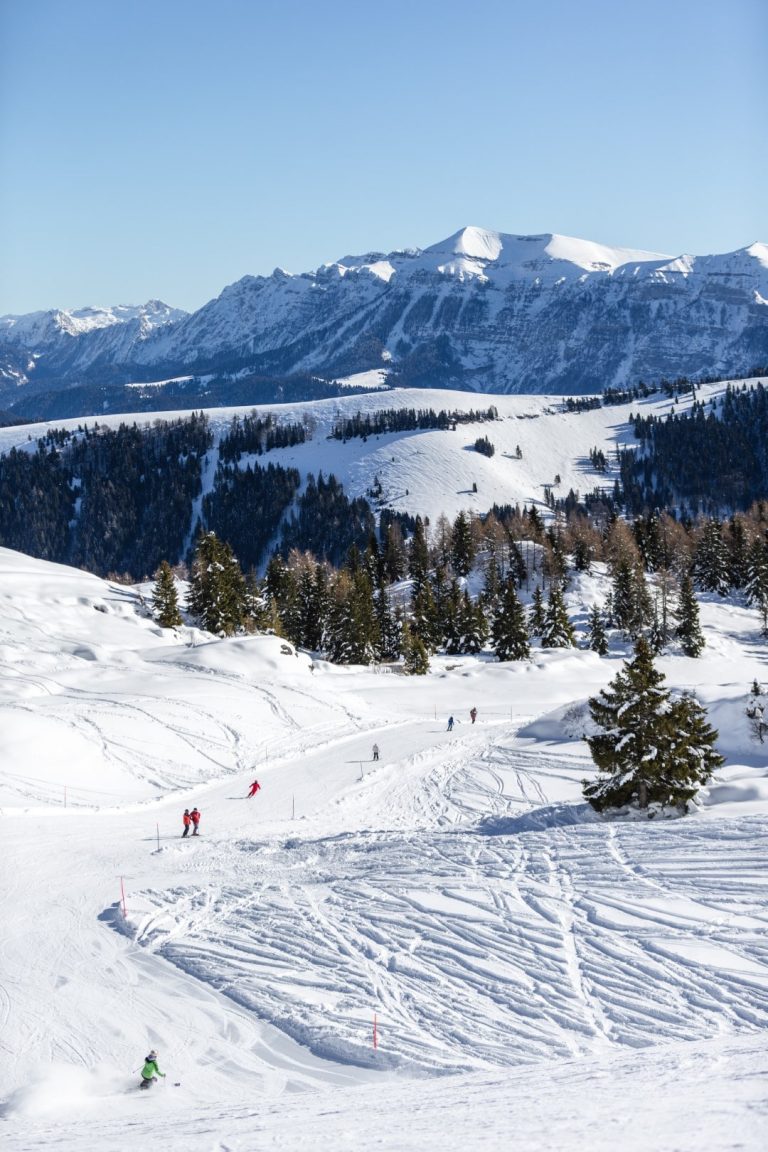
(538, 976)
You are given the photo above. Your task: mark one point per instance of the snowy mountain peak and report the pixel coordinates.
(481, 309)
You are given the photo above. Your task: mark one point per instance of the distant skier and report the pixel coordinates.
(255, 787)
(450, 723)
(150, 1071)
(195, 818)
(375, 751)
(473, 714)
(187, 822)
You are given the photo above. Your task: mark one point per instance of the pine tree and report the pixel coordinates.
(217, 592)
(597, 639)
(688, 630)
(492, 585)
(418, 554)
(648, 749)
(395, 555)
(558, 630)
(737, 552)
(537, 613)
(688, 754)
(424, 622)
(462, 546)
(451, 624)
(710, 562)
(165, 601)
(510, 631)
(757, 712)
(389, 625)
(756, 587)
(631, 601)
(474, 626)
(415, 656)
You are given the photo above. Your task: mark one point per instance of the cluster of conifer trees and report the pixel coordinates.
(367, 424)
(118, 501)
(258, 434)
(712, 458)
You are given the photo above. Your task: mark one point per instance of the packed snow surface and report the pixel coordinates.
(531, 968)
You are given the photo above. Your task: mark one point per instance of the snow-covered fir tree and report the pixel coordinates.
(557, 631)
(631, 602)
(510, 629)
(756, 712)
(165, 600)
(688, 630)
(217, 593)
(462, 545)
(711, 561)
(537, 613)
(597, 639)
(415, 655)
(474, 626)
(756, 587)
(647, 748)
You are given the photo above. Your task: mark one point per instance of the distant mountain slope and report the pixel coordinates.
(481, 310)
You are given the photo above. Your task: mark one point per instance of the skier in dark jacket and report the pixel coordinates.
(187, 819)
(150, 1071)
(473, 714)
(450, 724)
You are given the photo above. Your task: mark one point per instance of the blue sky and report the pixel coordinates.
(164, 148)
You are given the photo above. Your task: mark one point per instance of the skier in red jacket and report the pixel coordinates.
(195, 818)
(187, 822)
(255, 787)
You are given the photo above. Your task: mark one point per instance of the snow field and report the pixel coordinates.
(567, 970)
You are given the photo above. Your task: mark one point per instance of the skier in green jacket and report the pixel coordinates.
(150, 1071)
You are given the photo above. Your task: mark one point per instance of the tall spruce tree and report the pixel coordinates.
(418, 554)
(415, 655)
(165, 600)
(596, 635)
(647, 748)
(711, 560)
(510, 630)
(474, 626)
(537, 614)
(217, 592)
(632, 609)
(558, 630)
(688, 629)
(462, 545)
(756, 587)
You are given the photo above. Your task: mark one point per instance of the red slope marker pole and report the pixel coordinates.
(122, 894)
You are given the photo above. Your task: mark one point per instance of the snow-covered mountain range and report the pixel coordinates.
(481, 310)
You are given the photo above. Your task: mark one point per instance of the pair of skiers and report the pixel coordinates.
(150, 1071)
(190, 820)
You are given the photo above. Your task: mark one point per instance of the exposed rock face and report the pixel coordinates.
(483, 310)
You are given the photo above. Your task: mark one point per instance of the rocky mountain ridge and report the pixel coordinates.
(481, 310)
